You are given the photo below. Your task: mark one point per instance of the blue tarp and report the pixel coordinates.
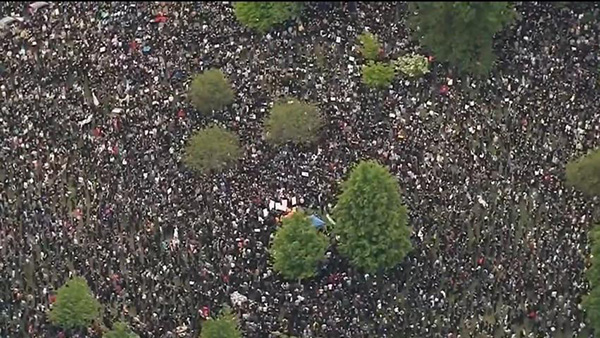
(316, 221)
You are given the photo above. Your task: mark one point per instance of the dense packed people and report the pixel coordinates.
(94, 116)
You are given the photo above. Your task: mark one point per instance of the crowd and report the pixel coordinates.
(93, 119)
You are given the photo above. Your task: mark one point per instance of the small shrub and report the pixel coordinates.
(370, 46)
(413, 65)
(212, 149)
(210, 91)
(378, 74)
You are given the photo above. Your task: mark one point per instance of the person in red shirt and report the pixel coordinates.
(204, 312)
(97, 132)
(160, 18)
(133, 45)
(444, 90)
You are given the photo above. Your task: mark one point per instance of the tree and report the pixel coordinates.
(294, 121)
(378, 74)
(120, 330)
(263, 15)
(593, 273)
(298, 247)
(278, 334)
(591, 302)
(371, 221)
(212, 149)
(583, 173)
(370, 46)
(225, 326)
(210, 91)
(413, 65)
(75, 306)
(461, 33)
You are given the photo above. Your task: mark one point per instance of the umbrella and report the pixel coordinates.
(146, 49)
(38, 4)
(5, 22)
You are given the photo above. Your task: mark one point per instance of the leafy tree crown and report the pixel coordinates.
(378, 74)
(212, 149)
(293, 121)
(75, 306)
(370, 46)
(413, 65)
(224, 326)
(583, 173)
(591, 302)
(371, 221)
(461, 33)
(120, 330)
(264, 15)
(211, 91)
(298, 247)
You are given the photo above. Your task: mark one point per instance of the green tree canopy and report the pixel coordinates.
(371, 221)
(461, 33)
(378, 74)
(591, 302)
(583, 173)
(370, 46)
(75, 306)
(593, 273)
(212, 149)
(210, 91)
(225, 326)
(298, 247)
(413, 65)
(264, 15)
(120, 330)
(294, 121)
